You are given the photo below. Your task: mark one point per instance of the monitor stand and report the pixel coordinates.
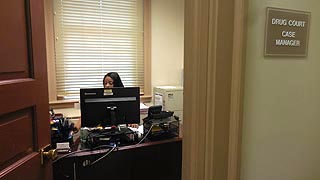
(112, 110)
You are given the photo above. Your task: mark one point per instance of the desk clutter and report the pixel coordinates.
(107, 117)
(62, 131)
(106, 113)
(99, 136)
(158, 125)
(121, 144)
(108, 120)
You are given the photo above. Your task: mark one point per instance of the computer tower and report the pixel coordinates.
(171, 99)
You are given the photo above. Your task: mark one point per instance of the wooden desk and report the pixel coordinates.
(159, 160)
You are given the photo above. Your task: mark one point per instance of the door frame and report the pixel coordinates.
(214, 59)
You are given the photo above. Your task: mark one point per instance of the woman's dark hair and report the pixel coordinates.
(116, 79)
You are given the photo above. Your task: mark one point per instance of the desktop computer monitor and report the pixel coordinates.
(108, 107)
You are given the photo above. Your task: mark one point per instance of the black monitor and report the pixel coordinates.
(108, 107)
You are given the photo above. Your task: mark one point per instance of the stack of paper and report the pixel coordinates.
(143, 109)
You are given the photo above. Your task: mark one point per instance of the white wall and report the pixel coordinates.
(281, 125)
(167, 32)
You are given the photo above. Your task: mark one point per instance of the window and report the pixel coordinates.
(93, 37)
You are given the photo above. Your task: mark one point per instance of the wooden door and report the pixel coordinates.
(24, 116)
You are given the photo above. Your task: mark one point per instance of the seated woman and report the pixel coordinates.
(112, 79)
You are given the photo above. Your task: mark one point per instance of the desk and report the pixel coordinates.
(159, 160)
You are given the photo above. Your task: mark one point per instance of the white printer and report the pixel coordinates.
(171, 99)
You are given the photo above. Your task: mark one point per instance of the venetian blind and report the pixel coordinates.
(93, 37)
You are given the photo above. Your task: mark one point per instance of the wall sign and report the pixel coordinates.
(287, 32)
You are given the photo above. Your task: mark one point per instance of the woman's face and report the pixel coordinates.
(108, 82)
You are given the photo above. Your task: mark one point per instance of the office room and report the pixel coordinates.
(26, 82)
(162, 64)
(246, 115)
(158, 62)
(26, 88)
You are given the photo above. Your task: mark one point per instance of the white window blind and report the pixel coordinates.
(94, 37)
